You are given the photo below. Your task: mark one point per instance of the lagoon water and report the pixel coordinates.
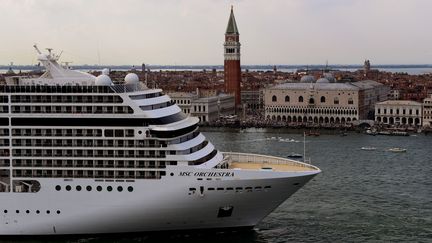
(361, 196)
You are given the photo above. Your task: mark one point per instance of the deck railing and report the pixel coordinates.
(264, 159)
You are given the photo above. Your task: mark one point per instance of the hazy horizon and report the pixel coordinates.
(180, 32)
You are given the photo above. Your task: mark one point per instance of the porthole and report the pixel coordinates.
(171, 174)
(119, 188)
(48, 212)
(27, 211)
(17, 211)
(37, 212)
(68, 188)
(5, 211)
(58, 211)
(99, 188)
(58, 187)
(140, 132)
(78, 188)
(89, 188)
(109, 188)
(130, 189)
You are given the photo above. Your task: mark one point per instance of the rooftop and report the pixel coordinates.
(400, 102)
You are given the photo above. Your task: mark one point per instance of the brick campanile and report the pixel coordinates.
(232, 71)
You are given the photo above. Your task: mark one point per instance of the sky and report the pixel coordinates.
(191, 32)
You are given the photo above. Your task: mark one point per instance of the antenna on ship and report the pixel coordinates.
(37, 49)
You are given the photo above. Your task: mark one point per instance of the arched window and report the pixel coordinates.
(336, 101)
(287, 99)
(322, 99)
(311, 101)
(350, 101)
(300, 99)
(274, 98)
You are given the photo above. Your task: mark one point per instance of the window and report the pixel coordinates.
(311, 101)
(300, 99)
(99, 188)
(78, 188)
(58, 188)
(274, 98)
(89, 188)
(130, 189)
(322, 99)
(287, 98)
(109, 188)
(336, 101)
(68, 188)
(350, 101)
(119, 188)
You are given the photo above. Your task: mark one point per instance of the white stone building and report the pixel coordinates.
(399, 112)
(207, 109)
(427, 111)
(322, 102)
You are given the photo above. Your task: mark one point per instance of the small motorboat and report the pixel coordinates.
(367, 148)
(294, 156)
(397, 150)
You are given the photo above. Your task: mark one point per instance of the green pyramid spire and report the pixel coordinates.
(232, 25)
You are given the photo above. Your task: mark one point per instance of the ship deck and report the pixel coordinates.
(245, 161)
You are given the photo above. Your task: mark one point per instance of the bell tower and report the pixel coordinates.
(232, 71)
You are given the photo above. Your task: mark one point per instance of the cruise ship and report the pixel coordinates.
(81, 154)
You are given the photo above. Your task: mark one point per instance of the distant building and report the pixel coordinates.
(322, 102)
(207, 109)
(252, 99)
(232, 70)
(427, 111)
(394, 94)
(399, 112)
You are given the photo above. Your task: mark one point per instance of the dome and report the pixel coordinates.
(307, 79)
(322, 81)
(105, 71)
(131, 78)
(103, 80)
(329, 77)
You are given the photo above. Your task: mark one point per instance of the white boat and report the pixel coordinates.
(81, 154)
(367, 148)
(397, 150)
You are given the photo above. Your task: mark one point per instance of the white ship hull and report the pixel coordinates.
(154, 205)
(83, 155)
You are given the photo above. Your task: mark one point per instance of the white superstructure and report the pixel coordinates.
(85, 155)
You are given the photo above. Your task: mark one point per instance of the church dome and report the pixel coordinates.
(329, 77)
(307, 79)
(322, 81)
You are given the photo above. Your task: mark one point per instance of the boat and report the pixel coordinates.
(294, 156)
(81, 154)
(367, 148)
(312, 133)
(397, 150)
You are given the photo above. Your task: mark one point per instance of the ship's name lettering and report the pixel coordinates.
(207, 174)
